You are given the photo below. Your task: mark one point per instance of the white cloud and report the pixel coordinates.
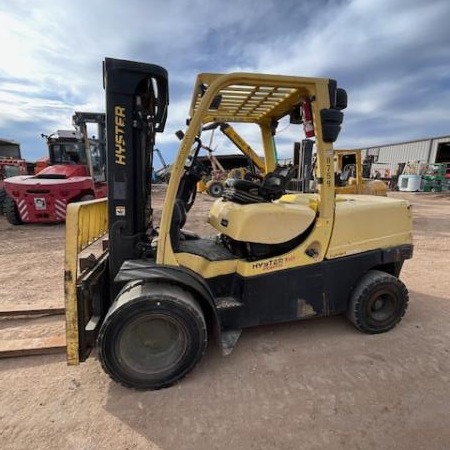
(390, 56)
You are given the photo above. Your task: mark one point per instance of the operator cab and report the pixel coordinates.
(67, 147)
(253, 219)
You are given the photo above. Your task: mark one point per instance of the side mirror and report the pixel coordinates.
(179, 134)
(331, 124)
(341, 99)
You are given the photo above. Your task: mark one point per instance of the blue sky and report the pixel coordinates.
(392, 56)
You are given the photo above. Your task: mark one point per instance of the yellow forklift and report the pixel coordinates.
(349, 175)
(152, 300)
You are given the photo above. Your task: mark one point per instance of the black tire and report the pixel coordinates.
(152, 336)
(2, 200)
(378, 302)
(86, 198)
(11, 211)
(214, 188)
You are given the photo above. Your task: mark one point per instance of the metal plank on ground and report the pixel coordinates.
(8, 310)
(32, 346)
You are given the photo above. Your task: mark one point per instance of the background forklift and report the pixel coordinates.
(76, 172)
(151, 301)
(349, 179)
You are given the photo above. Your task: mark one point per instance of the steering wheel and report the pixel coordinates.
(196, 168)
(193, 172)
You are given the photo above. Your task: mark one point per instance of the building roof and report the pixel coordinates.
(8, 142)
(406, 142)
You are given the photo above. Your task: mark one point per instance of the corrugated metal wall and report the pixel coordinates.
(389, 156)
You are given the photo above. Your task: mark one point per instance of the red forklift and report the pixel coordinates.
(76, 172)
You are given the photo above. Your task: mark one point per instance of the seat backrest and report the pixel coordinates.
(178, 221)
(345, 175)
(272, 188)
(275, 183)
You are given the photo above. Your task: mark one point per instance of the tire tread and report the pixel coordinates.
(11, 212)
(183, 297)
(369, 281)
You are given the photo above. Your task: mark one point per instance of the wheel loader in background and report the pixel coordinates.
(215, 180)
(154, 298)
(76, 172)
(162, 175)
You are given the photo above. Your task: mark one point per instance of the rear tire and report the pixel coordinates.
(152, 336)
(378, 302)
(11, 211)
(214, 188)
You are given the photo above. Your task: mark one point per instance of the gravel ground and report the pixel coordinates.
(317, 384)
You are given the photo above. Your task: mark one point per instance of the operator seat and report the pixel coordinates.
(272, 188)
(178, 221)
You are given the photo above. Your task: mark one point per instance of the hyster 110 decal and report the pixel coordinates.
(272, 264)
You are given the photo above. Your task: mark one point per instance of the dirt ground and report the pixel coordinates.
(317, 384)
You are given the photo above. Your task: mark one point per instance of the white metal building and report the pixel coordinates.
(387, 157)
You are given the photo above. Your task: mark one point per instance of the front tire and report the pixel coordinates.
(11, 211)
(2, 200)
(378, 302)
(152, 336)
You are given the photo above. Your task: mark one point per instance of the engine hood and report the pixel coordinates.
(63, 171)
(24, 182)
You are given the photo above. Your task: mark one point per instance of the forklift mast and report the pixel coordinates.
(136, 109)
(80, 121)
